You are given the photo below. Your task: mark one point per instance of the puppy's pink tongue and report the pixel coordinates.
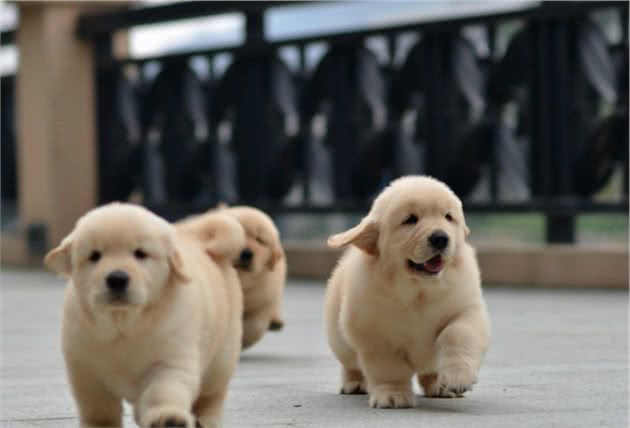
(434, 265)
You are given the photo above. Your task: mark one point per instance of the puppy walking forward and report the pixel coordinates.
(151, 316)
(406, 299)
(261, 265)
(262, 271)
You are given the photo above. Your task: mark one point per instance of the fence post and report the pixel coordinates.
(57, 146)
(254, 27)
(552, 151)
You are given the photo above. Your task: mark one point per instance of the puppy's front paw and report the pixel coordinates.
(453, 382)
(388, 398)
(167, 417)
(353, 387)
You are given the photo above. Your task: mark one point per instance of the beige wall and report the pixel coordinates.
(518, 265)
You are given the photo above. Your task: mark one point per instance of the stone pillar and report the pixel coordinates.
(57, 146)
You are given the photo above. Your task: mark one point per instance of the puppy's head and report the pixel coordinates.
(416, 224)
(262, 244)
(119, 256)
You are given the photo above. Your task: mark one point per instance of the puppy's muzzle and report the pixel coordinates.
(438, 240)
(117, 284)
(245, 259)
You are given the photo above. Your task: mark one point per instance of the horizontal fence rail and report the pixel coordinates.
(537, 125)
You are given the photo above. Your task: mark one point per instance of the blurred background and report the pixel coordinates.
(307, 109)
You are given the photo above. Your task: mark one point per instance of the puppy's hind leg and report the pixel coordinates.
(276, 323)
(352, 381)
(254, 327)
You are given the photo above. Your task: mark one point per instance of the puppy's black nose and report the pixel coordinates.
(246, 255)
(438, 240)
(117, 281)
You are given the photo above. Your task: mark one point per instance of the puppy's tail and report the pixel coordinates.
(222, 235)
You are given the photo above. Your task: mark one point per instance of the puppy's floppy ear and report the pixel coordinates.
(224, 237)
(364, 236)
(460, 212)
(277, 253)
(177, 265)
(464, 225)
(59, 259)
(220, 234)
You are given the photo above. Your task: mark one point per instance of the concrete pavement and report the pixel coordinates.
(558, 358)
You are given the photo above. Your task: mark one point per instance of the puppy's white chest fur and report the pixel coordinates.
(121, 346)
(410, 326)
(403, 313)
(125, 374)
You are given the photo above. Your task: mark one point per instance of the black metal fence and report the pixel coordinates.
(538, 125)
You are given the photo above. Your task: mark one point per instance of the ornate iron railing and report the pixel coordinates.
(541, 125)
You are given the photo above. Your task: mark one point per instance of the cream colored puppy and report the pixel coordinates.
(262, 271)
(148, 319)
(406, 299)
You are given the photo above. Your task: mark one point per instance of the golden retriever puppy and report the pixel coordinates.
(262, 271)
(406, 298)
(148, 318)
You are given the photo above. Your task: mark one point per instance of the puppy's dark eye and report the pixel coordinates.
(449, 217)
(95, 256)
(260, 241)
(140, 254)
(412, 219)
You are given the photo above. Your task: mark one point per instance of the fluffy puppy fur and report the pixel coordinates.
(406, 299)
(148, 319)
(262, 271)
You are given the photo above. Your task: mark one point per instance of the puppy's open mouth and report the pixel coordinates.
(433, 266)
